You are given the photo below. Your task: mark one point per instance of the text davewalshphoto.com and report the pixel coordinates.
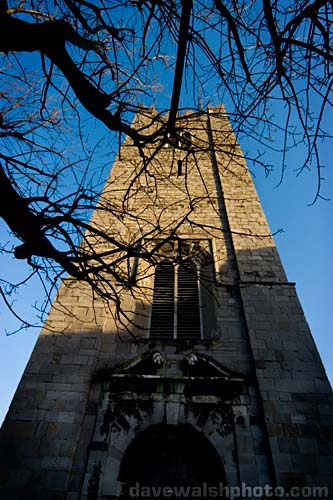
(220, 490)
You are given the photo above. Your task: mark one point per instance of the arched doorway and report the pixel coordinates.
(165, 457)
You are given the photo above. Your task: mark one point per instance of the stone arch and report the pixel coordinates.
(215, 430)
(171, 455)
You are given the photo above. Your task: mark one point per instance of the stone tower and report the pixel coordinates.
(208, 379)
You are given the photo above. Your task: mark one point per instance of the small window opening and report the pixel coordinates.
(186, 140)
(178, 139)
(180, 168)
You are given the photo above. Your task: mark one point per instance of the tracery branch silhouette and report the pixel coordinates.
(72, 64)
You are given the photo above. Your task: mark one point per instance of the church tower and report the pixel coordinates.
(199, 371)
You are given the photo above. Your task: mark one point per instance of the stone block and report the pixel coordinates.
(274, 430)
(67, 430)
(325, 464)
(56, 480)
(56, 463)
(288, 445)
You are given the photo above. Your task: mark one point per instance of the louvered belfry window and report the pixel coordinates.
(175, 308)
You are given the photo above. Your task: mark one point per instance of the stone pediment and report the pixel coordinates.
(154, 364)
